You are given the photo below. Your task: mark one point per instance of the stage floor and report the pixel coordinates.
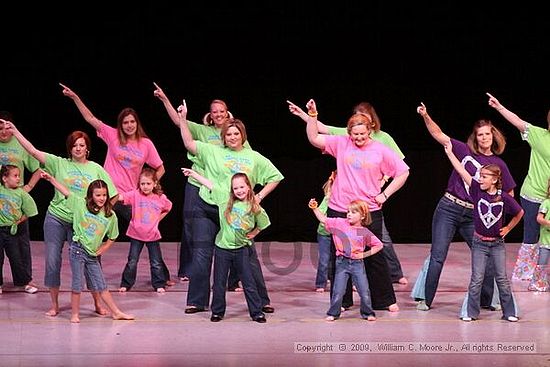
(296, 334)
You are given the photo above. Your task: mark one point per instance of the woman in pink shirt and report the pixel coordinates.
(129, 149)
(361, 163)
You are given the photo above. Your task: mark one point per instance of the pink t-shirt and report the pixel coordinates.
(360, 171)
(350, 241)
(146, 211)
(124, 162)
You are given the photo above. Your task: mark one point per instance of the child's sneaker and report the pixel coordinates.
(467, 319)
(512, 318)
(30, 289)
(320, 290)
(422, 306)
(330, 318)
(161, 290)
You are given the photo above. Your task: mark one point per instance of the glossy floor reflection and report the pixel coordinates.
(163, 335)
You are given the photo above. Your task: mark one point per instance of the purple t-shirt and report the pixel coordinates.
(473, 162)
(490, 215)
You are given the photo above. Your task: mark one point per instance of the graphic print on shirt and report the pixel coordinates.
(128, 156)
(489, 213)
(473, 167)
(358, 160)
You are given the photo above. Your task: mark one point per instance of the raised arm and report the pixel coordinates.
(508, 115)
(319, 214)
(58, 185)
(433, 128)
(186, 136)
(203, 180)
(84, 111)
(159, 93)
(27, 145)
(316, 139)
(456, 164)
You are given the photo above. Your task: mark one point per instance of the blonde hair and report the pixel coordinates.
(254, 206)
(363, 209)
(207, 118)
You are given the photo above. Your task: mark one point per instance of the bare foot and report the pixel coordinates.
(123, 316)
(101, 311)
(330, 318)
(122, 289)
(371, 318)
(75, 319)
(393, 308)
(403, 281)
(52, 312)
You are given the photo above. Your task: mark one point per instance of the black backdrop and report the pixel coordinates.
(257, 57)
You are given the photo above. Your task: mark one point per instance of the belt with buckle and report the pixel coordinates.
(456, 200)
(486, 239)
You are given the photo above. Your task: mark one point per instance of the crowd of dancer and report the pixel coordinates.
(222, 214)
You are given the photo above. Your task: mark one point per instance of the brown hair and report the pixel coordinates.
(363, 209)
(254, 206)
(233, 123)
(73, 137)
(5, 171)
(91, 205)
(367, 108)
(499, 141)
(140, 133)
(152, 174)
(359, 119)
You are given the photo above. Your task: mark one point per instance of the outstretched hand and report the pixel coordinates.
(158, 92)
(45, 175)
(422, 110)
(67, 92)
(493, 102)
(187, 171)
(294, 109)
(182, 109)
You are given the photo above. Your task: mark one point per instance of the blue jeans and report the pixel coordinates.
(87, 266)
(205, 226)
(10, 244)
(129, 274)
(190, 200)
(239, 258)
(324, 260)
(347, 268)
(531, 228)
(257, 274)
(544, 254)
(56, 232)
(483, 253)
(124, 212)
(447, 219)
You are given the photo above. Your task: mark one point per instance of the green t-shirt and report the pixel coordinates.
(323, 209)
(535, 185)
(232, 234)
(90, 229)
(13, 153)
(545, 230)
(221, 163)
(380, 136)
(76, 177)
(15, 203)
(207, 134)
